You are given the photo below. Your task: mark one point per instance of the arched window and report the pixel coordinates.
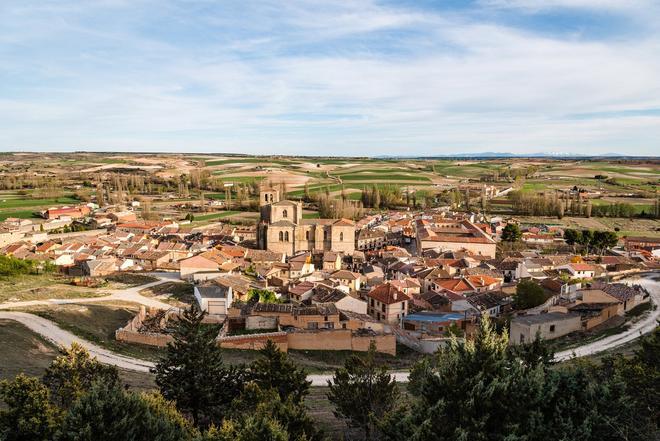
(266, 197)
(286, 236)
(281, 236)
(285, 213)
(271, 197)
(341, 237)
(325, 235)
(307, 235)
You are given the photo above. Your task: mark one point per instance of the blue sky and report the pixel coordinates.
(358, 77)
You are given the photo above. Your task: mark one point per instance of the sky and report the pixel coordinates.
(352, 77)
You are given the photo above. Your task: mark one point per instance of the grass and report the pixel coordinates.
(311, 216)
(613, 326)
(178, 294)
(241, 179)
(384, 177)
(19, 203)
(639, 310)
(97, 323)
(22, 214)
(24, 351)
(41, 287)
(130, 279)
(249, 160)
(218, 215)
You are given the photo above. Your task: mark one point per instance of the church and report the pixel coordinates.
(282, 228)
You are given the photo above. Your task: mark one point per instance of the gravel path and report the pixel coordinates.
(127, 295)
(60, 337)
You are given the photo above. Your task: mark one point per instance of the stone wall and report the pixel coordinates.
(336, 340)
(131, 334)
(254, 341)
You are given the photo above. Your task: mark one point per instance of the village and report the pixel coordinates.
(417, 278)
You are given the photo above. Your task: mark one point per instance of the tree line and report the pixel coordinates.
(481, 389)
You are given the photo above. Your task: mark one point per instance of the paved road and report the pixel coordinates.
(52, 332)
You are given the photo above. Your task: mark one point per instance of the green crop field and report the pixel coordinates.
(384, 177)
(218, 215)
(27, 202)
(21, 214)
(264, 160)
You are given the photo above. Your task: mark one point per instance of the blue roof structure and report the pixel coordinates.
(434, 317)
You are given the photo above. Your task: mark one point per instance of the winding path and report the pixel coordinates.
(60, 337)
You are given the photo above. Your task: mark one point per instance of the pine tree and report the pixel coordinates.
(274, 370)
(362, 391)
(72, 374)
(192, 373)
(109, 413)
(27, 413)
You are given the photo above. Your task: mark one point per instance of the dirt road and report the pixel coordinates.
(58, 336)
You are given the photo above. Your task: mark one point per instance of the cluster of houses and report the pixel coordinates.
(407, 277)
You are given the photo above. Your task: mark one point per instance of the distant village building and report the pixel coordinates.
(527, 328)
(452, 235)
(282, 228)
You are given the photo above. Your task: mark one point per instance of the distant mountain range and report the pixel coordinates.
(495, 155)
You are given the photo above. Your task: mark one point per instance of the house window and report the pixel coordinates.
(325, 235)
(312, 325)
(552, 328)
(329, 325)
(306, 235)
(341, 237)
(382, 308)
(266, 198)
(286, 236)
(281, 236)
(285, 213)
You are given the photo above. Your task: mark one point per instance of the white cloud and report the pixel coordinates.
(458, 83)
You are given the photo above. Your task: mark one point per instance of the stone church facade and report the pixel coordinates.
(282, 228)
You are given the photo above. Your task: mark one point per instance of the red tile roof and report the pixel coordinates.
(388, 294)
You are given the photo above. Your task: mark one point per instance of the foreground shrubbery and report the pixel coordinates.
(11, 266)
(478, 390)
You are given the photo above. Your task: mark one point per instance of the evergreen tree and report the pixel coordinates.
(511, 233)
(27, 413)
(109, 413)
(471, 390)
(274, 370)
(192, 373)
(362, 391)
(72, 374)
(528, 295)
(267, 404)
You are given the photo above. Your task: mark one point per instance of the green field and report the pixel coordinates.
(242, 160)
(22, 214)
(368, 177)
(218, 215)
(241, 179)
(27, 202)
